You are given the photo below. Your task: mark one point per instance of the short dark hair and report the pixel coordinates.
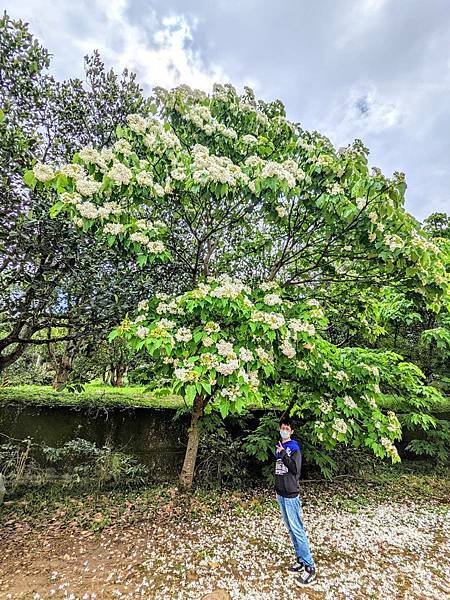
(287, 421)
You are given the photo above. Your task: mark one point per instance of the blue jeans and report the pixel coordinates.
(291, 511)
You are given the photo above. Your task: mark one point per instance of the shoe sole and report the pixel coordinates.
(303, 584)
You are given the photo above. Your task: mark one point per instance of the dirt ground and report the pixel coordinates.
(367, 543)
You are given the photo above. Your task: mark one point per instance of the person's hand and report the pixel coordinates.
(279, 447)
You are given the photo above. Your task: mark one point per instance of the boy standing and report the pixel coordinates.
(287, 474)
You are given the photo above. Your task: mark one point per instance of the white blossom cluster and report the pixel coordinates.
(391, 450)
(287, 348)
(43, 172)
(339, 426)
(349, 402)
(296, 325)
(87, 186)
(272, 299)
(393, 242)
(208, 168)
(200, 116)
(229, 288)
(272, 319)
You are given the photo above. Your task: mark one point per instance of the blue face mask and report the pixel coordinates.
(284, 434)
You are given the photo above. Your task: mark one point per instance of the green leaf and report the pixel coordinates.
(224, 408)
(114, 333)
(190, 393)
(56, 208)
(30, 179)
(206, 387)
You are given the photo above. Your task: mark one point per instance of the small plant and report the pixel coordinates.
(17, 462)
(435, 444)
(103, 466)
(261, 442)
(222, 460)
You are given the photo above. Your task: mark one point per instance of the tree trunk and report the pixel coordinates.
(63, 363)
(187, 472)
(7, 360)
(62, 373)
(118, 372)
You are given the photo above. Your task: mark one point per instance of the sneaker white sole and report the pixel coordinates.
(301, 583)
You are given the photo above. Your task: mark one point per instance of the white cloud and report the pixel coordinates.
(160, 51)
(163, 57)
(361, 112)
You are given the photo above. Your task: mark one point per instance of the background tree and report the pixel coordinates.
(51, 278)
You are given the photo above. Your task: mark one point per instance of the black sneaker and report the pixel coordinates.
(298, 567)
(307, 577)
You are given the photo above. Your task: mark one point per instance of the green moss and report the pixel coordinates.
(98, 395)
(94, 395)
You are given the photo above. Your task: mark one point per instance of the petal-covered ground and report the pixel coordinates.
(369, 540)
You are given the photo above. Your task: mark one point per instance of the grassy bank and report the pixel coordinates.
(96, 395)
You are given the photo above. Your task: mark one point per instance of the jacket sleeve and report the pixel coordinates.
(292, 462)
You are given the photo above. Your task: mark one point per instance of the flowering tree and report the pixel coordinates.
(222, 343)
(224, 184)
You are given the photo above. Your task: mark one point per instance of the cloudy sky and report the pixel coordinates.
(378, 70)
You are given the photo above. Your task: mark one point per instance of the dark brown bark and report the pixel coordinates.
(8, 359)
(63, 363)
(62, 373)
(118, 372)
(187, 472)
